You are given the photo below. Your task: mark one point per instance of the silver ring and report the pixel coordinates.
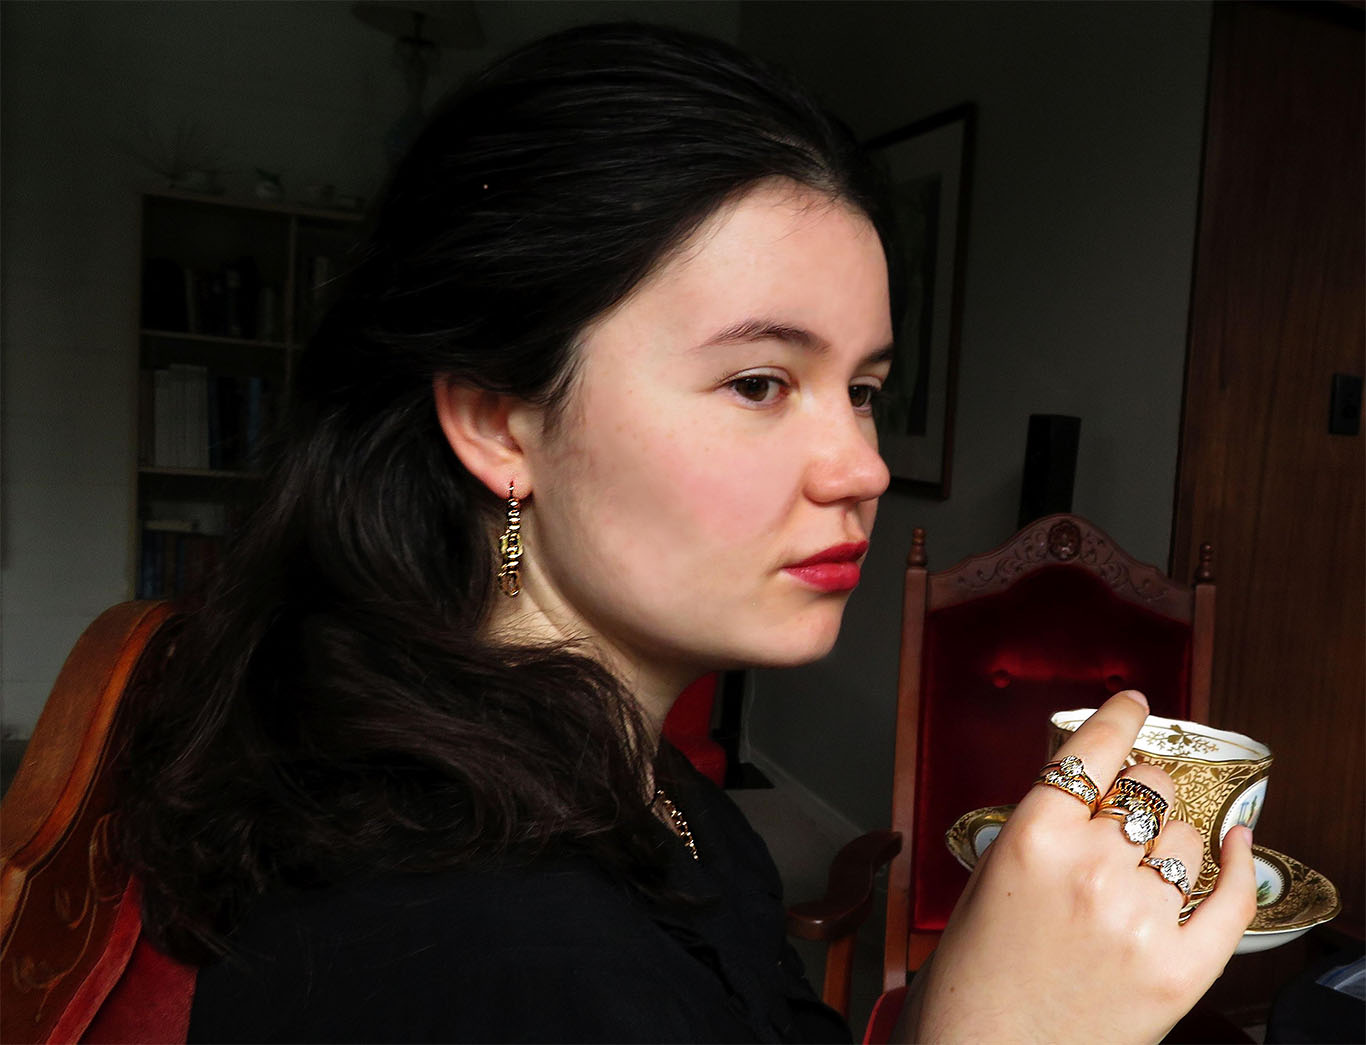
(1172, 870)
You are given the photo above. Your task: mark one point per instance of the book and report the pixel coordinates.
(171, 525)
(149, 569)
(191, 308)
(146, 417)
(267, 314)
(199, 417)
(215, 422)
(163, 295)
(163, 417)
(253, 419)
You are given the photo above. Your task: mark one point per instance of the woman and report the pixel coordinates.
(591, 416)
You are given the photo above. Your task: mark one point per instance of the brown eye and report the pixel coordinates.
(862, 396)
(756, 389)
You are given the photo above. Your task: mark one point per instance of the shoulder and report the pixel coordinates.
(712, 813)
(555, 952)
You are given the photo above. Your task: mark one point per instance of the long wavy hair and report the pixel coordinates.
(334, 708)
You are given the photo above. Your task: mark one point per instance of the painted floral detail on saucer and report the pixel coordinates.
(1292, 898)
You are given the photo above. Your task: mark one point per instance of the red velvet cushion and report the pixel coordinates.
(134, 993)
(691, 713)
(688, 728)
(150, 1003)
(994, 670)
(882, 1020)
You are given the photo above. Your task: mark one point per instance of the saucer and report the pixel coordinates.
(1291, 898)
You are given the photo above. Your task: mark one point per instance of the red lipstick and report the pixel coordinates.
(835, 569)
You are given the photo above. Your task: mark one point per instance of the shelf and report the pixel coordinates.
(199, 473)
(207, 260)
(287, 209)
(213, 339)
(195, 484)
(222, 355)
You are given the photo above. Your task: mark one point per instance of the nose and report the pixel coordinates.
(845, 464)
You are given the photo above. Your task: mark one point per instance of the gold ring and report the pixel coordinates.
(1172, 870)
(1141, 791)
(1069, 775)
(1141, 811)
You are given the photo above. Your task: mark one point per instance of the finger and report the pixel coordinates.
(1154, 777)
(1229, 910)
(1178, 841)
(1154, 792)
(1102, 742)
(1139, 802)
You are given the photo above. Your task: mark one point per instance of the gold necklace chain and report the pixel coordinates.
(676, 818)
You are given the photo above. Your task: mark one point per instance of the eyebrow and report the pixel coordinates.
(762, 329)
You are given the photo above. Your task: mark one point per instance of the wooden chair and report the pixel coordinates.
(1058, 617)
(73, 963)
(688, 728)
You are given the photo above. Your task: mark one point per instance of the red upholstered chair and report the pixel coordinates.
(1058, 617)
(688, 728)
(73, 963)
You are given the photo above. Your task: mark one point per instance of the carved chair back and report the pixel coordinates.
(69, 917)
(1058, 617)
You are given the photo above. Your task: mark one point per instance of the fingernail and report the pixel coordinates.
(1137, 697)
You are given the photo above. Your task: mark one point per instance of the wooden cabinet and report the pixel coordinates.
(230, 290)
(1277, 310)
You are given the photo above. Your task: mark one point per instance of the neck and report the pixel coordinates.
(654, 685)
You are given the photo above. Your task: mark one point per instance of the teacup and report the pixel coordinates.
(1220, 777)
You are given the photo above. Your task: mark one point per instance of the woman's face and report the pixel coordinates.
(718, 436)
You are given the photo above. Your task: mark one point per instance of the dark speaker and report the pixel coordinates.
(1050, 466)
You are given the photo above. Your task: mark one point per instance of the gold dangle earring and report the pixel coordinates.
(510, 545)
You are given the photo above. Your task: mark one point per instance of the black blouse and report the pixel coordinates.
(553, 953)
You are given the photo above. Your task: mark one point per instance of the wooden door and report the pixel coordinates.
(1276, 311)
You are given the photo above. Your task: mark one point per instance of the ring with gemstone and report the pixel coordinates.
(1069, 775)
(1127, 785)
(1140, 809)
(1172, 870)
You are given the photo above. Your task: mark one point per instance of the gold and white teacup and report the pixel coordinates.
(1220, 776)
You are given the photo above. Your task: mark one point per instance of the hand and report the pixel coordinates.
(1062, 935)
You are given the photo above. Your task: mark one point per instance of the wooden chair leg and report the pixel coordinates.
(839, 973)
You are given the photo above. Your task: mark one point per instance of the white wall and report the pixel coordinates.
(1079, 266)
(299, 87)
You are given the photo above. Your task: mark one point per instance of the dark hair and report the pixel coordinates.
(332, 709)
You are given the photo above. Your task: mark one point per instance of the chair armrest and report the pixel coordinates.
(848, 891)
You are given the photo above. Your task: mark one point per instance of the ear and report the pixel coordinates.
(480, 427)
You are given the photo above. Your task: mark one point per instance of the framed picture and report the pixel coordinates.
(930, 167)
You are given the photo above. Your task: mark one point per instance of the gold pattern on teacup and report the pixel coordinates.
(1219, 776)
(1177, 741)
(1204, 794)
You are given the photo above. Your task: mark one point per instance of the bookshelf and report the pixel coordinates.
(230, 290)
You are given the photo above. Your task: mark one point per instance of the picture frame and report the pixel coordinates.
(929, 165)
